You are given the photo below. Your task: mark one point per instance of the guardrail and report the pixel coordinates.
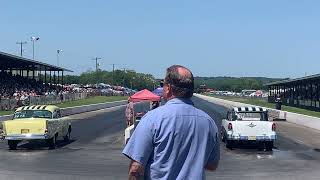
(92, 107)
(237, 96)
(81, 109)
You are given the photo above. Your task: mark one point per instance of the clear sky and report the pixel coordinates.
(273, 38)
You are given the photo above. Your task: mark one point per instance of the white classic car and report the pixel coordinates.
(248, 124)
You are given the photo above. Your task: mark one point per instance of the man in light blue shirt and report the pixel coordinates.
(177, 140)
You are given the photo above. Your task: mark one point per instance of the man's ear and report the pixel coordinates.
(169, 90)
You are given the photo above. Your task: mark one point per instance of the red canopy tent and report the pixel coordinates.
(144, 95)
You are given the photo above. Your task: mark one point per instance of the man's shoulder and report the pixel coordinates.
(205, 117)
(201, 113)
(158, 111)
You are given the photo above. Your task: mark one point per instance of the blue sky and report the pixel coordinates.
(274, 38)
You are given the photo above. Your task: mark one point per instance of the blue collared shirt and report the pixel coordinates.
(175, 141)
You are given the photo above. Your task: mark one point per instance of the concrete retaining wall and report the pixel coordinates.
(80, 109)
(300, 119)
(91, 107)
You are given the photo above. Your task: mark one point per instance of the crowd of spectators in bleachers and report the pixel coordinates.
(16, 90)
(16, 86)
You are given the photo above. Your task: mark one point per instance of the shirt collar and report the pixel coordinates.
(180, 101)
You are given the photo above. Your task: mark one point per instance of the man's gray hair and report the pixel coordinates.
(182, 83)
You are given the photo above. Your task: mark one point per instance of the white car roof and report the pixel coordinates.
(249, 109)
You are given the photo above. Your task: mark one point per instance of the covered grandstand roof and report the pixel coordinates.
(9, 61)
(315, 76)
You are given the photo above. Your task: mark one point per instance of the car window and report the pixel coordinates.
(32, 114)
(252, 116)
(228, 115)
(233, 116)
(55, 115)
(58, 114)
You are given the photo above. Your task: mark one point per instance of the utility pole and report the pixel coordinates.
(97, 65)
(112, 74)
(21, 44)
(124, 76)
(133, 78)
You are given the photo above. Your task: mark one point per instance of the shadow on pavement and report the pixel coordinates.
(250, 147)
(42, 145)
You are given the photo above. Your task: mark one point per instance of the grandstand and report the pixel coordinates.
(21, 74)
(301, 92)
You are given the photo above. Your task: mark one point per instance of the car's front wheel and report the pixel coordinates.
(13, 144)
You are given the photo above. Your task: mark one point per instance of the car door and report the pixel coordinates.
(63, 123)
(55, 123)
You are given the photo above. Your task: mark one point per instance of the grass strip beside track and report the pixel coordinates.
(91, 100)
(2, 113)
(260, 102)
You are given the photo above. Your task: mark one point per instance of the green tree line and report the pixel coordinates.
(233, 83)
(129, 78)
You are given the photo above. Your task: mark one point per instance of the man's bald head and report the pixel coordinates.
(181, 81)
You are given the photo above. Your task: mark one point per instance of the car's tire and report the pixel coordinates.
(269, 145)
(67, 137)
(229, 144)
(223, 137)
(261, 146)
(13, 144)
(52, 142)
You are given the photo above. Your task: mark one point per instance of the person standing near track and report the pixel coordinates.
(129, 113)
(176, 140)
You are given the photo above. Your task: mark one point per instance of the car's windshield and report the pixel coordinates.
(33, 114)
(252, 116)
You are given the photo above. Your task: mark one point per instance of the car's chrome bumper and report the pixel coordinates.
(253, 138)
(26, 137)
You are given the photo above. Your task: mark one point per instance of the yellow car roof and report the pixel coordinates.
(50, 108)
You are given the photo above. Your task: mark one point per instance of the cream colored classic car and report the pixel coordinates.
(36, 123)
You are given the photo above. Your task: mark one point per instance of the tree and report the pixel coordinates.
(232, 83)
(121, 78)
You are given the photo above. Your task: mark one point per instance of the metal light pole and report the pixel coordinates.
(58, 53)
(21, 44)
(33, 39)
